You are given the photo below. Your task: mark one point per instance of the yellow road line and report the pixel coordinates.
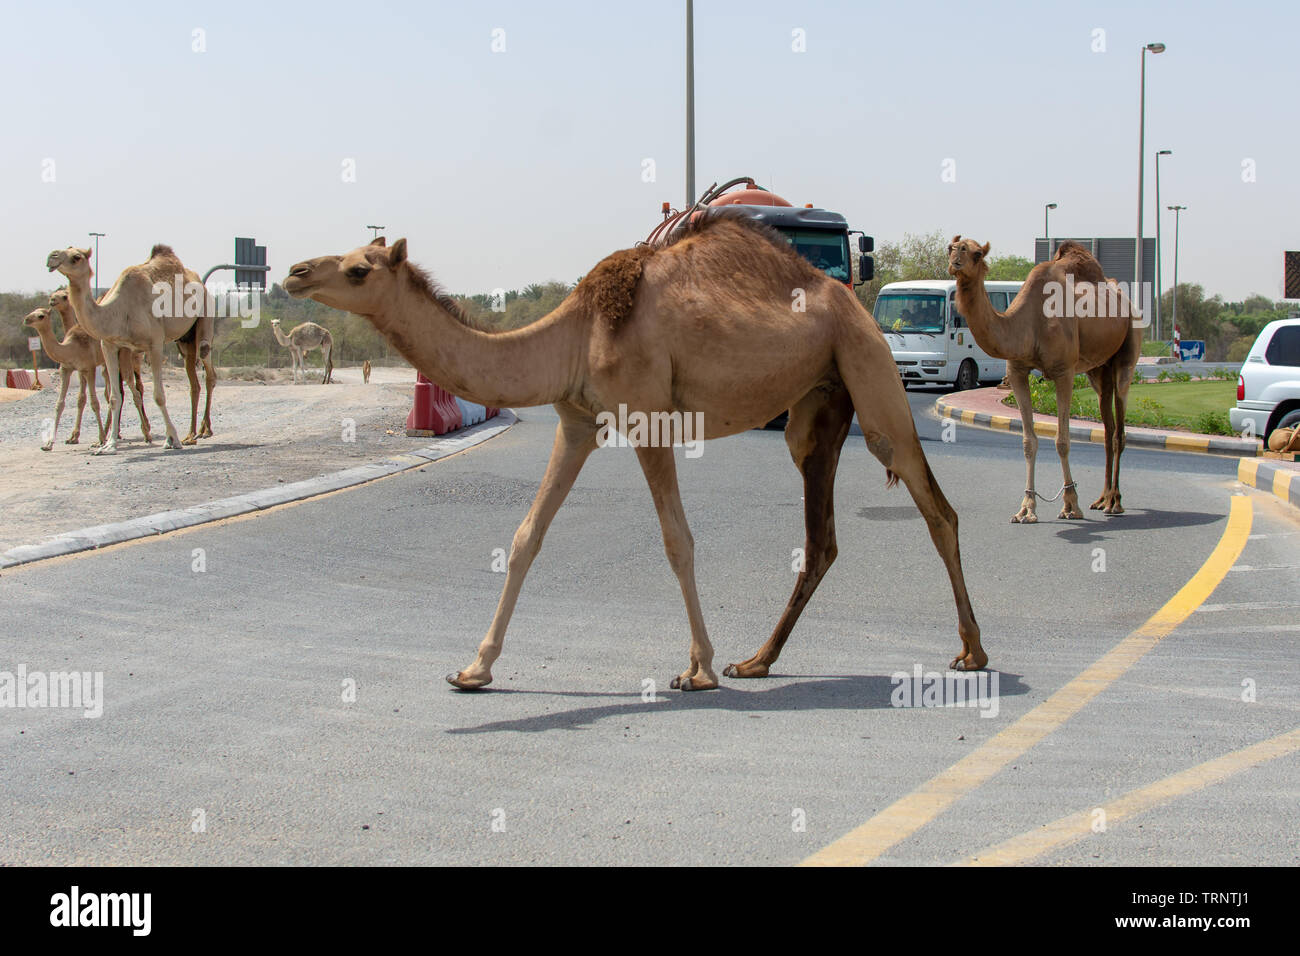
(1078, 826)
(904, 817)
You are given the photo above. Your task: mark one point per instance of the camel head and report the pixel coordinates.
(34, 320)
(968, 258)
(59, 300)
(361, 281)
(72, 262)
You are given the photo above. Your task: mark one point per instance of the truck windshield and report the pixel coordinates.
(828, 251)
(910, 312)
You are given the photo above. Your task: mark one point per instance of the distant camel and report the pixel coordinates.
(365, 371)
(303, 339)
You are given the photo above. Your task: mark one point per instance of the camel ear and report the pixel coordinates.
(956, 239)
(379, 241)
(398, 254)
(86, 253)
(985, 250)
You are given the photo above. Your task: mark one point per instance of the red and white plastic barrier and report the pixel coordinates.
(22, 378)
(436, 411)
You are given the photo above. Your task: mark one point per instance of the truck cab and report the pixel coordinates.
(930, 340)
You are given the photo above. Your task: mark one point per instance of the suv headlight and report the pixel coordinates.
(933, 363)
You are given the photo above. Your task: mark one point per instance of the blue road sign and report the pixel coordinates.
(1192, 350)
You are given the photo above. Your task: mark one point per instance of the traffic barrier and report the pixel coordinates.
(22, 378)
(434, 411)
(471, 413)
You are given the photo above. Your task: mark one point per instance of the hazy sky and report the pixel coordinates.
(504, 168)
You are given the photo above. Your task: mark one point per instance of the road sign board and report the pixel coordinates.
(34, 343)
(1192, 350)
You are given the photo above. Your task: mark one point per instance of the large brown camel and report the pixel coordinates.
(702, 327)
(79, 353)
(1067, 319)
(127, 318)
(127, 359)
(301, 340)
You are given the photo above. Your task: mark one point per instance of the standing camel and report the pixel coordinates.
(126, 318)
(301, 340)
(128, 359)
(77, 352)
(1068, 318)
(703, 326)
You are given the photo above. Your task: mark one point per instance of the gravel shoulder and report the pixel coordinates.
(264, 434)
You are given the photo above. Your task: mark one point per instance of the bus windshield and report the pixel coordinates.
(910, 312)
(828, 251)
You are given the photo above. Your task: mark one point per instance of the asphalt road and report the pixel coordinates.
(226, 737)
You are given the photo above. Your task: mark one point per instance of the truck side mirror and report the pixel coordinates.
(866, 244)
(866, 269)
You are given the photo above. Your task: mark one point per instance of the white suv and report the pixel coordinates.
(1268, 388)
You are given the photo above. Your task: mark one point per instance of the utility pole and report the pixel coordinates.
(1177, 219)
(1142, 162)
(97, 236)
(690, 104)
(375, 234)
(1047, 230)
(1159, 283)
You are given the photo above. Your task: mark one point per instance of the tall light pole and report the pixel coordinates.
(1047, 232)
(1177, 217)
(1142, 161)
(1159, 285)
(690, 104)
(375, 234)
(96, 236)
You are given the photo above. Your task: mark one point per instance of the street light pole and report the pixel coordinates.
(96, 236)
(1177, 219)
(1159, 284)
(1047, 232)
(690, 104)
(1142, 162)
(375, 234)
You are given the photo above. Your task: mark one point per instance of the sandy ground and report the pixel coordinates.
(262, 434)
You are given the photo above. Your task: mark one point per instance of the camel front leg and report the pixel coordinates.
(160, 396)
(94, 406)
(661, 474)
(1019, 376)
(113, 374)
(818, 425)
(1123, 378)
(65, 377)
(1070, 494)
(75, 437)
(575, 440)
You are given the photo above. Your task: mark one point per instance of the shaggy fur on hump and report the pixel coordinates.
(161, 249)
(1079, 262)
(611, 286)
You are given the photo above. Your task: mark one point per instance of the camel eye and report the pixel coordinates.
(978, 255)
(358, 273)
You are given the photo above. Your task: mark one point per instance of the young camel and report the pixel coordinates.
(79, 353)
(301, 340)
(127, 359)
(1068, 318)
(703, 325)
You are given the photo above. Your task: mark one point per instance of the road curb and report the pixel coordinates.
(1201, 444)
(1268, 476)
(99, 536)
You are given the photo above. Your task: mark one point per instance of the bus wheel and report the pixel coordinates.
(967, 376)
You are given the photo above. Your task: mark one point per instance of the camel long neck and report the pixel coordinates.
(85, 307)
(987, 324)
(69, 316)
(53, 347)
(280, 336)
(535, 365)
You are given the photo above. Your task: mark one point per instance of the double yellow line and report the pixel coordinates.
(908, 815)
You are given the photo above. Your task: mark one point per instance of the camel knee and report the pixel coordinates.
(1063, 447)
(680, 548)
(1030, 443)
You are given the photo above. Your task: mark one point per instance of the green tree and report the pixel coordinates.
(1009, 268)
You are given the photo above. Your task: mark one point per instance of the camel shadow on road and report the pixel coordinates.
(820, 692)
(1097, 526)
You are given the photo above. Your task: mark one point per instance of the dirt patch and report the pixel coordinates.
(264, 434)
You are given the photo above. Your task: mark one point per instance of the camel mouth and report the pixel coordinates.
(296, 284)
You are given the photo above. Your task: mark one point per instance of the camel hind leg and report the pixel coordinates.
(328, 352)
(818, 425)
(209, 380)
(65, 377)
(75, 437)
(188, 352)
(886, 419)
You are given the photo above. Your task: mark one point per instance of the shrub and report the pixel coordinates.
(1182, 376)
(1213, 423)
(1239, 349)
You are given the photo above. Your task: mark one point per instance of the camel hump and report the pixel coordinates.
(1076, 259)
(161, 249)
(611, 286)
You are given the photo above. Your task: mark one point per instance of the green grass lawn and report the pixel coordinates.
(1192, 406)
